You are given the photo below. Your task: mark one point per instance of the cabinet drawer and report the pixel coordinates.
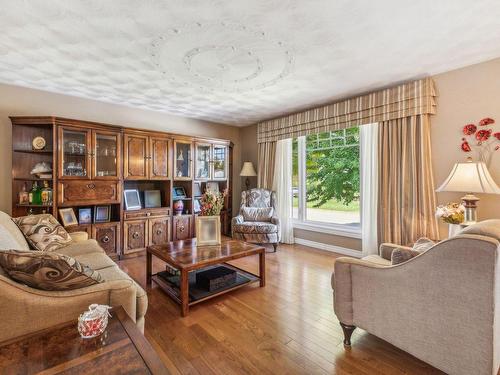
(107, 236)
(88, 192)
(135, 236)
(183, 227)
(146, 213)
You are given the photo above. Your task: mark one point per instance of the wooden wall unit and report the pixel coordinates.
(93, 163)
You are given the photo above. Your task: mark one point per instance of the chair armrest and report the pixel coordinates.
(237, 220)
(385, 250)
(275, 220)
(79, 236)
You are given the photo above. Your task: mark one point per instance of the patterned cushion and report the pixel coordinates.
(47, 270)
(402, 255)
(259, 198)
(257, 214)
(43, 232)
(256, 227)
(423, 244)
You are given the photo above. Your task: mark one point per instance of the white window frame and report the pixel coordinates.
(315, 226)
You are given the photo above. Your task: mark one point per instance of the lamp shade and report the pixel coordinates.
(248, 170)
(470, 177)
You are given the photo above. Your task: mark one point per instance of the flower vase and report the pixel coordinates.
(454, 229)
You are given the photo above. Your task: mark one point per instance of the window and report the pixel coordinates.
(326, 178)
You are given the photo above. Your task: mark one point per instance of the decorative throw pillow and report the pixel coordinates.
(47, 270)
(400, 255)
(43, 232)
(423, 244)
(257, 214)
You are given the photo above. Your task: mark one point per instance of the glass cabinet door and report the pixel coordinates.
(106, 154)
(74, 153)
(219, 162)
(182, 160)
(202, 161)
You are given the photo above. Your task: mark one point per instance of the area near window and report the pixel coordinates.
(326, 180)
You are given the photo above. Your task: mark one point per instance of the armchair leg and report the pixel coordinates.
(275, 245)
(348, 330)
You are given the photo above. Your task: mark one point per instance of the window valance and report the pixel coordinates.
(409, 99)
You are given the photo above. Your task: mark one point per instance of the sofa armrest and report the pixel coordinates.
(342, 286)
(26, 310)
(385, 250)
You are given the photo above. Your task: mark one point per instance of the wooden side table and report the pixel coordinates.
(121, 349)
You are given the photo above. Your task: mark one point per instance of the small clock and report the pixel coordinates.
(38, 143)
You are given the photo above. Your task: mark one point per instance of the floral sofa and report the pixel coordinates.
(257, 221)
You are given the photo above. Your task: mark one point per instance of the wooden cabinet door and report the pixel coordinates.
(219, 162)
(106, 155)
(135, 236)
(159, 230)
(159, 156)
(88, 192)
(183, 163)
(75, 155)
(107, 236)
(183, 227)
(135, 165)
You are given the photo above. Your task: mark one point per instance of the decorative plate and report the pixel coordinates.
(38, 143)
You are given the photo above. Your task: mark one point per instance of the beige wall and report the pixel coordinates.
(465, 95)
(248, 136)
(19, 101)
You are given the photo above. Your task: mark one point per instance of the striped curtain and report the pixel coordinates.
(266, 159)
(409, 99)
(406, 197)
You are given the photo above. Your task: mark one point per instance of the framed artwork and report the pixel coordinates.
(68, 217)
(132, 199)
(197, 189)
(179, 192)
(85, 216)
(208, 230)
(213, 186)
(152, 198)
(102, 214)
(197, 205)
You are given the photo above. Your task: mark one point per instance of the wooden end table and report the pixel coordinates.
(121, 349)
(185, 256)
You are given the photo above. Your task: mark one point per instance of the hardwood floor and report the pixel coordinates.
(287, 327)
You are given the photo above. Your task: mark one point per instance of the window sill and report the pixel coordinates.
(334, 229)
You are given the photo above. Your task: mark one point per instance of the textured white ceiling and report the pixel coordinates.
(237, 61)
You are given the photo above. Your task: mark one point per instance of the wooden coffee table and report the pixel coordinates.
(186, 257)
(121, 349)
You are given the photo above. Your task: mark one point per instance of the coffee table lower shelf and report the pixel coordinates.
(170, 284)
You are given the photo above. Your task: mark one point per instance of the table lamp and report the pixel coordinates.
(470, 177)
(248, 171)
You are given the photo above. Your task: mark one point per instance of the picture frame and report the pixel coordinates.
(102, 214)
(68, 217)
(152, 198)
(197, 189)
(208, 231)
(213, 187)
(132, 199)
(196, 205)
(179, 192)
(84, 216)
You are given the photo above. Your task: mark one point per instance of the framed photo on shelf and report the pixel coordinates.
(179, 192)
(102, 214)
(207, 230)
(85, 216)
(213, 187)
(197, 205)
(197, 189)
(152, 198)
(132, 199)
(68, 217)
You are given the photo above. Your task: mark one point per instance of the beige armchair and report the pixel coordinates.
(442, 306)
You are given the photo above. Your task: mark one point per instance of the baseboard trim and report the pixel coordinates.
(328, 247)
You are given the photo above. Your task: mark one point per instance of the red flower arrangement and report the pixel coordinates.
(486, 121)
(480, 140)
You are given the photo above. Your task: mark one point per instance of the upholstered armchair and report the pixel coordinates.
(257, 221)
(442, 306)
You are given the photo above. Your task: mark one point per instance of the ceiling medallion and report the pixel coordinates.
(221, 57)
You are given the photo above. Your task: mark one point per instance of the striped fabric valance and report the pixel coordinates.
(408, 99)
